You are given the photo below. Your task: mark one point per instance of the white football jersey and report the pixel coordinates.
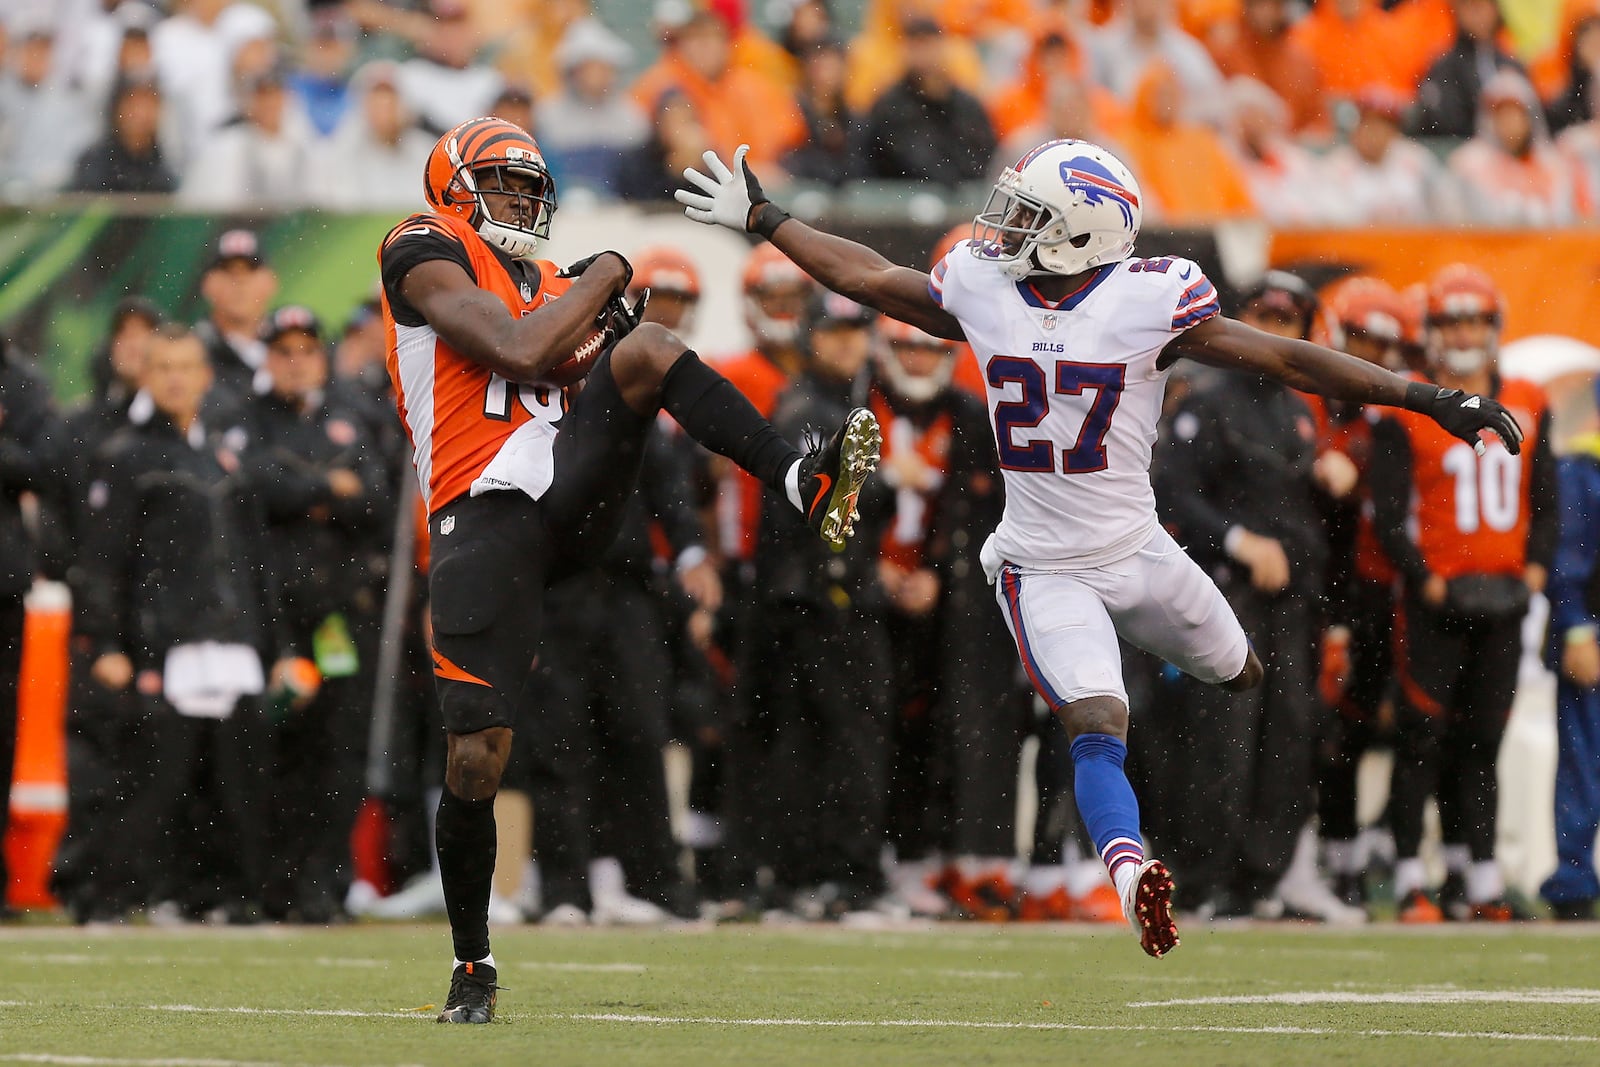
(1074, 397)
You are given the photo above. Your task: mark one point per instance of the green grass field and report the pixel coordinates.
(805, 995)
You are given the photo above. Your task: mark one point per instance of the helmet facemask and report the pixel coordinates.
(915, 388)
(1011, 227)
(1463, 361)
(535, 204)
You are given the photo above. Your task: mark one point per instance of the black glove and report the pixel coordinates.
(1465, 414)
(619, 319)
(577, 269)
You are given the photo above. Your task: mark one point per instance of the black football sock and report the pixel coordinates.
(465, 836)
(713, 411)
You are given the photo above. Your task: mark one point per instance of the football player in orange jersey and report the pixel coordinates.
(526, 482)
(1472, 536)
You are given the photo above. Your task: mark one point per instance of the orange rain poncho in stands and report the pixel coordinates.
(1056, 54)
(877, 55)
(1184, 169)
(1357, 44)
(1259, 45)
(736, 106)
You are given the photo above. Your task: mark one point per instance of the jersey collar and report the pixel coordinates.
(1071, 301)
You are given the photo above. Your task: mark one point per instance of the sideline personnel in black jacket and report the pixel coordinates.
(30, 434)
(1235, 481)
(174, 557)
(328, 511)
(820, 665)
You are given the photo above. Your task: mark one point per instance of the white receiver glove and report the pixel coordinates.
(728, 194)
(735, 198)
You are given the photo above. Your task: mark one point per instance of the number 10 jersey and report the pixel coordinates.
(1074, 394)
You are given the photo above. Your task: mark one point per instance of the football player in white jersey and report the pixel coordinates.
(1075, 339)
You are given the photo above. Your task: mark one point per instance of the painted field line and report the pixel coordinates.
(335, 1013)
(122, 1061)
(68, 959)
(772, 968)
(1415, 996)
(961, 1024)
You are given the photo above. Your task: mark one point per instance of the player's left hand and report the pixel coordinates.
(577, 269)
(1466, 414)
(619, 318)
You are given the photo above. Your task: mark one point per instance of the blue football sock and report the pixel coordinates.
(1106, 803)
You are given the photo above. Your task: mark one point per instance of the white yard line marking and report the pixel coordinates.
(88, 1061)
(119, 1061)
(87, 958)
(1415, 996)
(336, 1013)
(959, 1024)
(595, 968)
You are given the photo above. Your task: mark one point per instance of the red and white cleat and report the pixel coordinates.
(1150, 912)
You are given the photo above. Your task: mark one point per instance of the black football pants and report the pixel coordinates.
(1457, 681)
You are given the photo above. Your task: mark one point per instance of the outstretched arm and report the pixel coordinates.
(733, 198)
(1232, 345)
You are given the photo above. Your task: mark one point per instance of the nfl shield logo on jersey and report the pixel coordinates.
(447, 525)
(1048, 322)
(527, 293)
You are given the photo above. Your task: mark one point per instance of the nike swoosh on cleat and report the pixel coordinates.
(827, 483)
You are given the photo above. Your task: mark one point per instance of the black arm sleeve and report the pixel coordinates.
(1390, 479)
(1544, 506)
(414, 243)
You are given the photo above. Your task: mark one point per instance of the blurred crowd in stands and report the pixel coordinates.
(1339, 112)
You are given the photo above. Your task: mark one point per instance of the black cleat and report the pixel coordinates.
(472, 989)
(1453, 897)
(831, 477)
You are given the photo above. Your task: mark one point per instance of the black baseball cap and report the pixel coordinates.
(289, 319)
(238, 244)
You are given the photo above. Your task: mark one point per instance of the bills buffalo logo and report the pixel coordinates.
(1097, 185)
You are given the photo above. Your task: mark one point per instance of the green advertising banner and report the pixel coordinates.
(61, 272)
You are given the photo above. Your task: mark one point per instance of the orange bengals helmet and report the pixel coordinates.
(664, 269)
(1368, 307)
(473, 159)
(1460, 290)
(775, 295)
(916, 384)
(1463, 292)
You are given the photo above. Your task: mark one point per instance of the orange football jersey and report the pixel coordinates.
(1470, 512)
(459, 414)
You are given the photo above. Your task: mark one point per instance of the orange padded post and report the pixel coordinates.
(39, 785)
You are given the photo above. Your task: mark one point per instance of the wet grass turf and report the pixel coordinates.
(805, 995)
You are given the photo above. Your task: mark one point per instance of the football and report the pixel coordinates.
(577, 366)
